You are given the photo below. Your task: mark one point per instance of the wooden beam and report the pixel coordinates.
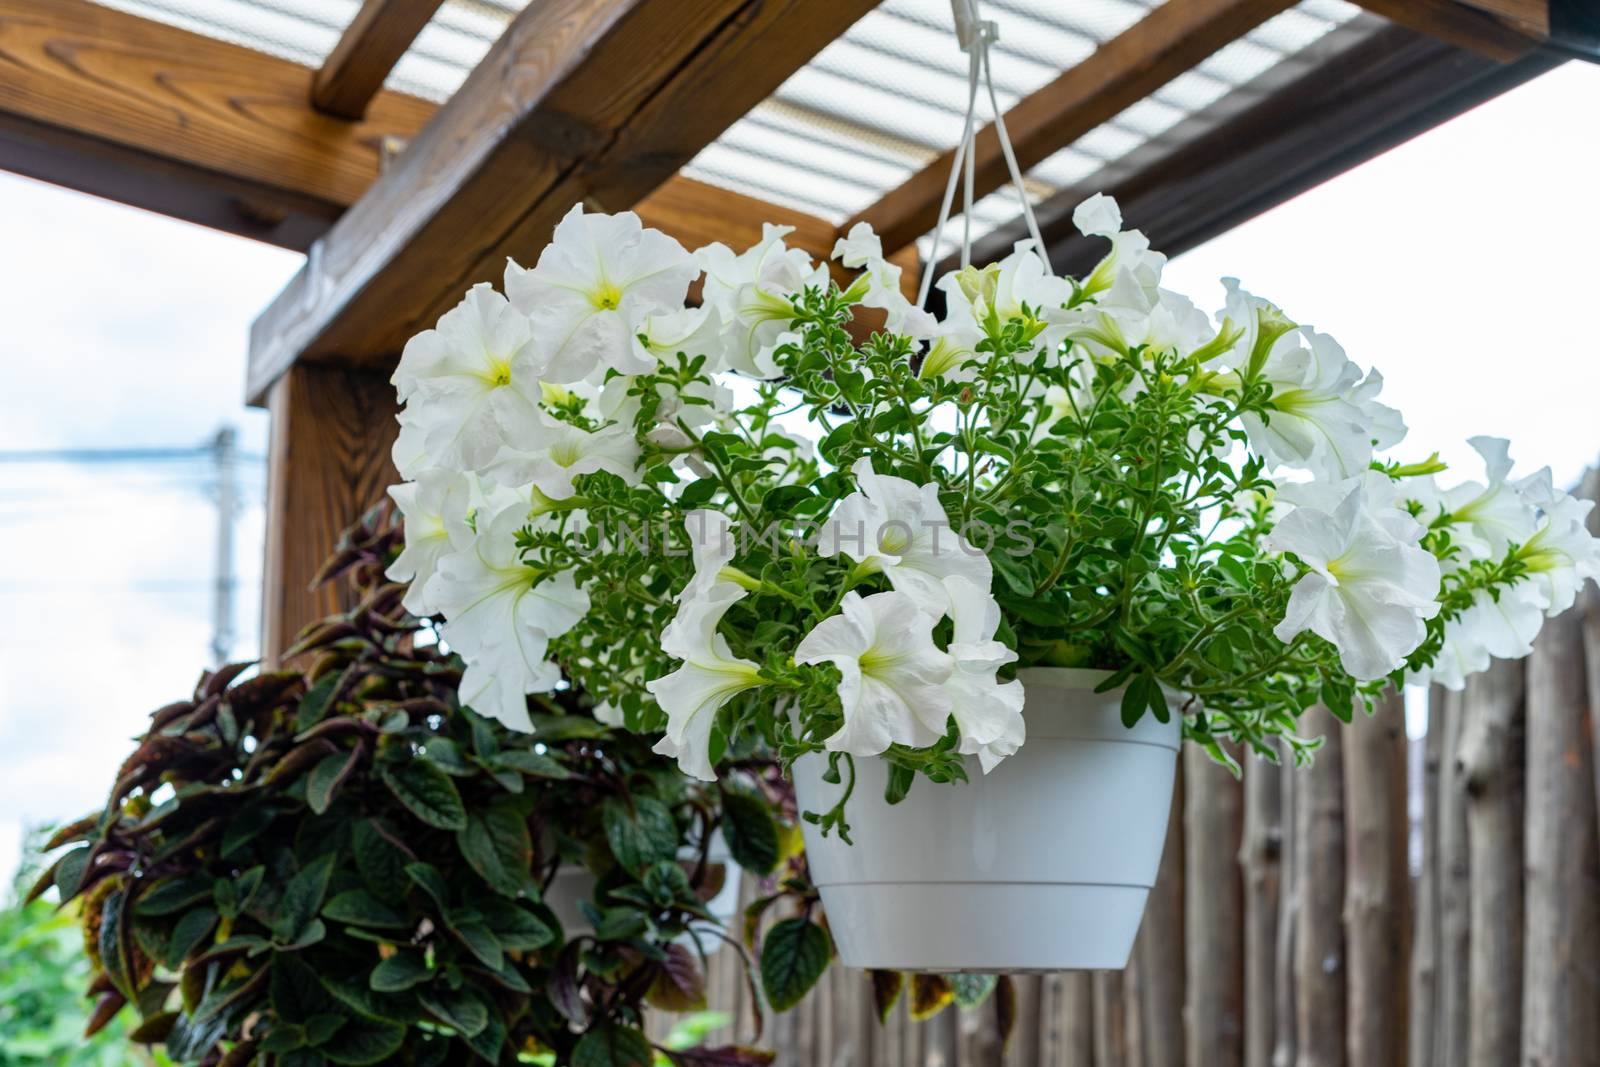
(1168, 41)
(1503, 30)
(1368, 88)
(354, 72)
(328, 461)
(181, 123)
(580, 100)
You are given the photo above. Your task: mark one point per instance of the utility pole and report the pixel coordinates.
(224, 454)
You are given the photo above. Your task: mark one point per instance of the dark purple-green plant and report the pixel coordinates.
(340, 864)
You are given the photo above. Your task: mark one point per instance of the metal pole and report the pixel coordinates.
(224, 455)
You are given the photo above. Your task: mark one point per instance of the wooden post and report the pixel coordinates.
(1213, 925)
(1491, 760)
(1110, 1022)
(1319, 873)
(1561, 986)
(1066, 1021)
(1260, 856)
(1378, 882)
(1455, 896)
(1285, 1000)
(332, 429)
(1425, 941)
(1156, 1021)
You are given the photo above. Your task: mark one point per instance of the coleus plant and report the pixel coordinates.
(749, 528)
(345, 866)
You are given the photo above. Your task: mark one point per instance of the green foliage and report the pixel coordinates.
(44, 1015)
(343, 865)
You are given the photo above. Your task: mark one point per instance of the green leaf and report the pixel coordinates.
(296, 993)
(361, 908)
(899, 783)
(553, 728)
(515, 928)
(886, 987)
(611, 1045)
(381, 864)
(486, 1043)
(532, 763)
(461, 1009)
(426, 791)
(302, 899)
(929, 995)
(364, 1041)
(497, 845)
(192, 928)
(970, 990)
(173, 895)
(314, 705)
(324, 779)
(643, 836)
(750, 831)
(793, 957)
(480, 942)
(399, 972)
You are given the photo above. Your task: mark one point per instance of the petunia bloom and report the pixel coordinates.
(893, 679)
(988, 712)
(710, 676)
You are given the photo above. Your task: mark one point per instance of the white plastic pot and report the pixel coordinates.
(1043, 864)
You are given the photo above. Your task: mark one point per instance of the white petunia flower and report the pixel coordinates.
(1561, 554)
(1369, 588)
(711, 675)
(501, 614)
(1316, 423)
(467, 383)
(594, 286)
(1129, 276)
(893, 688)
(753, 293)
(897, 528)
(1019, 279)
(438, 502)
(1488, 519)
(1502, 628)
(549, 454)
(711, 543)
(988, 713)
(689, 331)
(1098, 216)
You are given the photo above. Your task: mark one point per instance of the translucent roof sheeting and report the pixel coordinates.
(870, 110)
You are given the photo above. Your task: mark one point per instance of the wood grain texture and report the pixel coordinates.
(1561, 978)
(1284, 1000)
(87, 89)
(1214, 991)
(1320, 963)
(1358, 92)
(599, 101)
(1422, 1029)
(1155, 1017)
(1261, 863)
(1452, 997)
(1491, 755)
(1168, 41)
(354, 72)
(1503, 30)
(332, 429)
(1377, 882)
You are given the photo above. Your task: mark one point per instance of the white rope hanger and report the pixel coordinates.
(975, 35)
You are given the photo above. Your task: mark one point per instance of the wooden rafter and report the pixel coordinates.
(1503, 30)
(580, 100)
(1362, 90)
(1168, 41)
(373, 43)
(181, 123)
(151, 115)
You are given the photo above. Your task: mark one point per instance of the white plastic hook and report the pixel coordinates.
(975, 35)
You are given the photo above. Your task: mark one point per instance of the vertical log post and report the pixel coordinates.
(1377, 885)
(1491, 766)
(1425, 940)
(332, 429)
(1214, 985)
(1561, 975)
(1110, 1022)
(1260, 855)
(1455, 895)
(1156, 1022)
(1284, 1001)
(1319, 874)
(1066, 1021)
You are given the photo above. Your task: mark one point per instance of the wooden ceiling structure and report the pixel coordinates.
(401, 204)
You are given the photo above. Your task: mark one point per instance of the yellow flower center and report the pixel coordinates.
(498, 372)
(607, 297)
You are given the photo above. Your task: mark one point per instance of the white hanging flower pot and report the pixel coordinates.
(1043, 864)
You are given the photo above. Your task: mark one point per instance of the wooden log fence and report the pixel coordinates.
(1323, 917)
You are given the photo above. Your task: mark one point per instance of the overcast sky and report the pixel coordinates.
(1462, 265)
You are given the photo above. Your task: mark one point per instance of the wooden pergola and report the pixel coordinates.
(401, 204)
